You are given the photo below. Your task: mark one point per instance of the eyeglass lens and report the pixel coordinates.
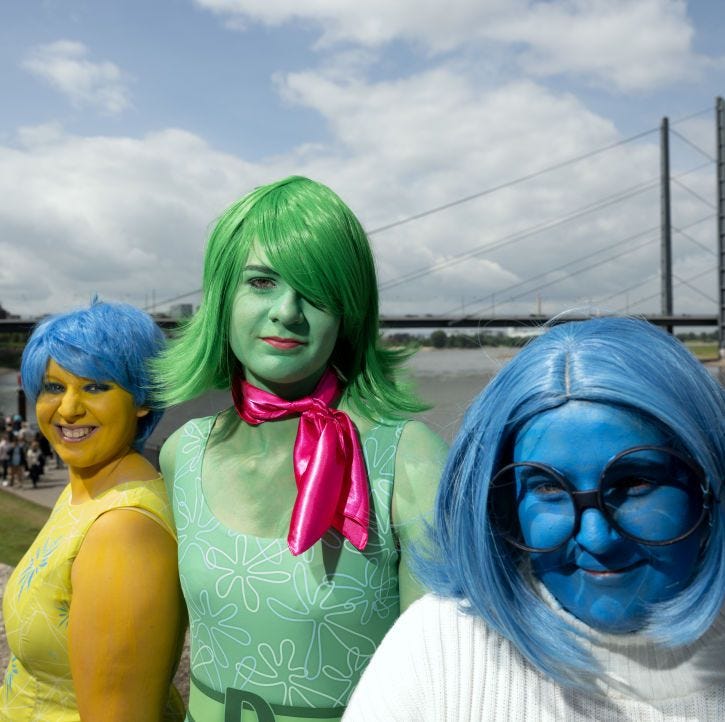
(650, 494)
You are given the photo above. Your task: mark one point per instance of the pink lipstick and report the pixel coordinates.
(284, 344)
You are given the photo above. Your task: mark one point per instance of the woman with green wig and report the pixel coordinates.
(295, 508)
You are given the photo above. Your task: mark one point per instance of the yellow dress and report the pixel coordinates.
(38, 686)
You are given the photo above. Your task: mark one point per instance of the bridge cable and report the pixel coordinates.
(531, 230)
(586, 257)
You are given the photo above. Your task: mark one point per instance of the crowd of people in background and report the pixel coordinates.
(24, 452)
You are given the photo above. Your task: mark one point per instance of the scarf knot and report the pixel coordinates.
(332, 484)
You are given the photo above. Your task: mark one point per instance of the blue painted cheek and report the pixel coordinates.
(663, 514)
(545, 524)
(616, 602)
(601, 577)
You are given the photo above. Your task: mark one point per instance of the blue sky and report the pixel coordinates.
(127, 127)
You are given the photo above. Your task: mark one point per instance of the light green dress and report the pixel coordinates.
(287, 637)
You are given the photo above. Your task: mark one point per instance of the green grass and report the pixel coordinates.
(704, 350)
(20, 521)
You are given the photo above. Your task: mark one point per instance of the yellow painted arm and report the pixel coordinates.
(125, 619)
(167, 461)
(418, 466)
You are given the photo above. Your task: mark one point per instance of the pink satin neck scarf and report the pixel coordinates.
(332, 482)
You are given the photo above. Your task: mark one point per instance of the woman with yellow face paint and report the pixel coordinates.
(93, 611)
(297, 507)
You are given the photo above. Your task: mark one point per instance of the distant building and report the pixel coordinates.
(181, 310)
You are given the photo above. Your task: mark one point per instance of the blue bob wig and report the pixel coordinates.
(616, 361)
(104, 342)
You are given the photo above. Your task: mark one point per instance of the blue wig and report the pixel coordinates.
(104, 342)
(616, 361)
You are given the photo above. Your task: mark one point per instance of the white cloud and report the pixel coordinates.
(120, 216)
(439, 26)
(37, 135)
(128, 217)
(66, 67)
(627, 45)
(409, 145)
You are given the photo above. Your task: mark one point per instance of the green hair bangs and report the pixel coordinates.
(315, 242)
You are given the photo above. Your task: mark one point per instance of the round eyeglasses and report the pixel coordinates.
(650, 494)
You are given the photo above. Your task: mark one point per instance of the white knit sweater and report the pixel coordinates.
(437, 664)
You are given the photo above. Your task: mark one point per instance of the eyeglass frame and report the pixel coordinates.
(592, 499)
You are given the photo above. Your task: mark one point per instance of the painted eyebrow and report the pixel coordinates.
(58, 380)
(527, 473)
(642, 465)
(261, 269)
(51, 379)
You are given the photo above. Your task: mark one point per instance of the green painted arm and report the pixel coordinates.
(418, 466)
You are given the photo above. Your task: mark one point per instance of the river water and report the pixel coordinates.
(448, 379)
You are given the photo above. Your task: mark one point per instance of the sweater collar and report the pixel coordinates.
(635, 665)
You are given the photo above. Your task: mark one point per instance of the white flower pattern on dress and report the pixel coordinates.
(246, 568)
(295, 630)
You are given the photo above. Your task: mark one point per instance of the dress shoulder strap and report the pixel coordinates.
(380, 448)
(190, 451)
(149, 497)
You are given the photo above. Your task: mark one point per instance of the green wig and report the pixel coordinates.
(317, 245)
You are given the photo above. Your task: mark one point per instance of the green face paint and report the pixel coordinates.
(283, 342)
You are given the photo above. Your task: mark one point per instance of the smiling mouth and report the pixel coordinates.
(282, 343)
(604, 573)
(74, 434)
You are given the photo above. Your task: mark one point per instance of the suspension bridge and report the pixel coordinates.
(500, 307)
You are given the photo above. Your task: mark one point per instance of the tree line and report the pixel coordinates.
(446, 339)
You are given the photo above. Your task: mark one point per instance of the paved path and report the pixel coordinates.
(48, 490)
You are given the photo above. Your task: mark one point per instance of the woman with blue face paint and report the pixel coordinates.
(577, 557)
